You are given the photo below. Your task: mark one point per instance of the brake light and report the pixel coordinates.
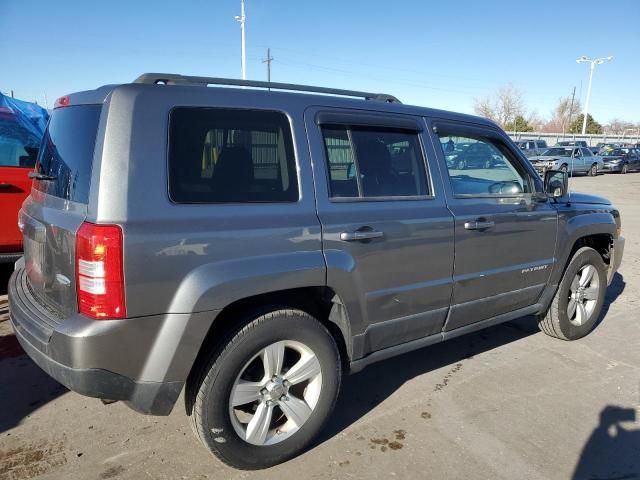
(99, 271)
(62, 102)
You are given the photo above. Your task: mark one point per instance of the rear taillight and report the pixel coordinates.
(62, 102)
(99, 271)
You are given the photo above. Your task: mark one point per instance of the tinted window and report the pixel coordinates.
(66, 152)
(18, 146)
(483, 166)
(224, 155)
(586, 152)
(374, 162)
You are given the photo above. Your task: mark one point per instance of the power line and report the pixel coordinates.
(268, 61)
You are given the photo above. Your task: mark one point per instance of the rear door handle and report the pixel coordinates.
(6, 186)
(360, 235)
(479, 225)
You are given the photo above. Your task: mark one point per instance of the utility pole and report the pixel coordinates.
(243, 57)
(573, 97)
(268, 61)
(593, 62)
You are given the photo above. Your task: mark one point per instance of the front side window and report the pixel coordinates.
(219, 155)
(370, 162)
(483, 166)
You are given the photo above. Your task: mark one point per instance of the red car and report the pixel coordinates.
(19, 143)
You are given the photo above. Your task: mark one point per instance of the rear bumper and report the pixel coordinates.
(143, 361)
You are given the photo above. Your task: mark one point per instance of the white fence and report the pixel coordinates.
(592, 140)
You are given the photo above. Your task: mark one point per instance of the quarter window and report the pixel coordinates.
(482, 166)
(370, 162)
(226, 155)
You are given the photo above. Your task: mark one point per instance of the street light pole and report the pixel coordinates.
(241, 19)
(593, 62)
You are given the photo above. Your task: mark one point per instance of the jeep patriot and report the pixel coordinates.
(249, 245)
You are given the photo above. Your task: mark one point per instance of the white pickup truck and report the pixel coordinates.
(570, 159)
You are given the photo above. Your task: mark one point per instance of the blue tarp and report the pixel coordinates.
(21, 123)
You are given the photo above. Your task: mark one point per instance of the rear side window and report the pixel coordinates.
(369, 162)
(221, 155)
(66, 152)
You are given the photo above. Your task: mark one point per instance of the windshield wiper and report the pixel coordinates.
(41, 176)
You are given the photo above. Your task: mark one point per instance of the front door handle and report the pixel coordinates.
(479, 225)
(360, 235)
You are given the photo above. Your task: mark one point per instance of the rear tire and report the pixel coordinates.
(593, 171)
(577, 304)
(292, 362)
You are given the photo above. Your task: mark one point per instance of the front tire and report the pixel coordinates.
(266, 393)
(576, 306)
(625, 168)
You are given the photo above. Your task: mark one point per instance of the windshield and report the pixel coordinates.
(614, 152)
(558, 152)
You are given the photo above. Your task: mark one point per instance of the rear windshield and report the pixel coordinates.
(66, 152)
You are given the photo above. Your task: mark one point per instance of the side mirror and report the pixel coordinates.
(556, 183)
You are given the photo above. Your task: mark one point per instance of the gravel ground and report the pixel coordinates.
(507, 402)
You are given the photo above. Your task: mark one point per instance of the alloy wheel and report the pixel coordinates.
(275, 393)
(583, 295)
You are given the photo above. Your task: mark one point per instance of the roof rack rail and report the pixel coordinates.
(174, 79)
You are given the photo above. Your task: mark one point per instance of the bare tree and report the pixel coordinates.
(618, 127)
(561, 114)
(536, 121)
(502, 106)
(484, 107)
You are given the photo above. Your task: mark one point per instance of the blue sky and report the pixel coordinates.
(437, 54)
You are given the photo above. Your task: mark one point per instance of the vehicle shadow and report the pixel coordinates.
(613, 292)
(362, 392)
(6, 269)
(612, 450)
(24, 387)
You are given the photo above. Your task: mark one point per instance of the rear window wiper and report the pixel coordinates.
(41, 176)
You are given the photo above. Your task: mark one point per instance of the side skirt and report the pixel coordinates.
(361, 363)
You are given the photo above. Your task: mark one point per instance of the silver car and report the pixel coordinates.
(569, 159)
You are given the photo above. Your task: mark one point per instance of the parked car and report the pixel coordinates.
(621, 160)
(573, 143)
(21, 128)
(532, 148)
(248, 245)
(601, 145)
(569, 159)
(473, 155)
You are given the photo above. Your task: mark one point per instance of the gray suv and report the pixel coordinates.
(251, 245)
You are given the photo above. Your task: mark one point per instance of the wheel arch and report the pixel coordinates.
(319, 301)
